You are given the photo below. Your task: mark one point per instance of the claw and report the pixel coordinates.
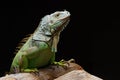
(71, 61)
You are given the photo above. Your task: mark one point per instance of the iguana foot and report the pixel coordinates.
(30, 70)
(62, 63)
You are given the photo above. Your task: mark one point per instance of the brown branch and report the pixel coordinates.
(72, 71)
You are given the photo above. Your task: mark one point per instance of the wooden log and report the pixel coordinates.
(52, 72)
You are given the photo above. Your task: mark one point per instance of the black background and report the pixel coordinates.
(91, 38)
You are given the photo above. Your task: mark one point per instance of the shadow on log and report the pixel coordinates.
(54, 72)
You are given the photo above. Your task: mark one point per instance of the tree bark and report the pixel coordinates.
(71, 71)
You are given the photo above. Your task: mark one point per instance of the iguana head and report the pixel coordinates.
(52, 25)
(55, 22)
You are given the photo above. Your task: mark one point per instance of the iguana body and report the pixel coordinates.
(39, 50)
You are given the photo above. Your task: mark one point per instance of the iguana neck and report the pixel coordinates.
(39, 34)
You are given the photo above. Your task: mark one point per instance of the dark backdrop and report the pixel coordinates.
(91, 38)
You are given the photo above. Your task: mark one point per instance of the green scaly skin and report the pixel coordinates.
(39, 50)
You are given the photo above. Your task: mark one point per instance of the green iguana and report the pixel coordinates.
(39, 50)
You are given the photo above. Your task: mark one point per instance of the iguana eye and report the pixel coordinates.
(57, 15)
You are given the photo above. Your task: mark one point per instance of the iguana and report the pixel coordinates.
(39, 50)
